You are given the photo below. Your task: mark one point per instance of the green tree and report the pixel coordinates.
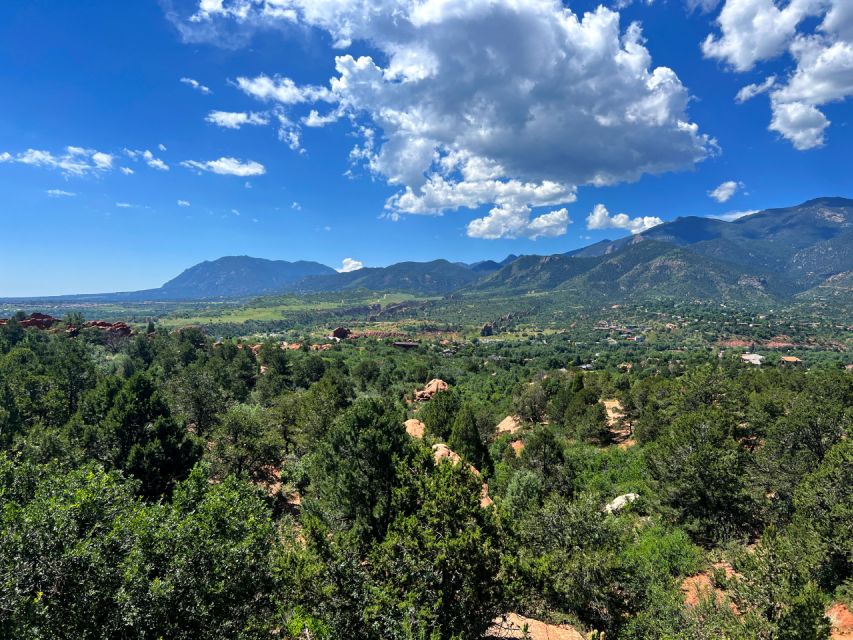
(465, 439)
(143, 438)
(353, 469)
(436, 573)
(197, 398)
(439, 413)
(824, 506)
(701, 472)
(246, 443)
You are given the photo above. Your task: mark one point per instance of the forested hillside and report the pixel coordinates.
(163, 485)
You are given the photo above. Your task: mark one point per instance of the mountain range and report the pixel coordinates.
(804, 250)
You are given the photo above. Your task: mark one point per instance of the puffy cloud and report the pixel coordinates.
(148, 157)
(183, 203)
(802, 124)
(161, 147)
(195, 84)
(751, 90)
(59, 193)
(514, 221)
(756, 30)
(296, 206)
(725, 191)
(227, 166)
(349, 264)
(235, 120)
(126, 171)
(103, 161)
(74, 161)
(282, 90)
(124, 205)
(314, 119)
(470, 101)
(600, 218)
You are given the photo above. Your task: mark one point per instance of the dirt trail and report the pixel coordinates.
(512, 626)
(619, 427)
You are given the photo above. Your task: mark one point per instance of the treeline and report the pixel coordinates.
(161, 486)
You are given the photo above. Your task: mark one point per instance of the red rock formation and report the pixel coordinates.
(432, 387)
(118, 328)
(39, 321)
(415, 428)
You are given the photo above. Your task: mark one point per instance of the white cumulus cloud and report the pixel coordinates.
(350, 264)
(227, 166)
(183, 203)
(73, 161)
(725, 191)
(236, 119)
(282, 90)
(515, 221)
(481, 102)
(816, 34)
(751, 90)
(195, 84)
(600, 218)
(148, 157)
(59, 193)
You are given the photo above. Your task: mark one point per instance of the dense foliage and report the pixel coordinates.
(166, 486)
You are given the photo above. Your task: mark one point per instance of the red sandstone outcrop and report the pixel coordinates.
(432, 387)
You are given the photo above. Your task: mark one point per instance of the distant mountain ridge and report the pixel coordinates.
(428, 278)
(805, 250)
(240, 276)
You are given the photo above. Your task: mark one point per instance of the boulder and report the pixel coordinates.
(432, 387)
(621, 502)
(510, 424)
(415, 428)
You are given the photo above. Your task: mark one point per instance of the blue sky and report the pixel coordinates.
(457, 81)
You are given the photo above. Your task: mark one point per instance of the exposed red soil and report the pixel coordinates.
(513, 626)
(701, 585)
(842, 621)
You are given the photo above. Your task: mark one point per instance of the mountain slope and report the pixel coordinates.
(805, 244)
(647, 269)
(536, 273)
(239, 276)
(640, 269)
(427, 278)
